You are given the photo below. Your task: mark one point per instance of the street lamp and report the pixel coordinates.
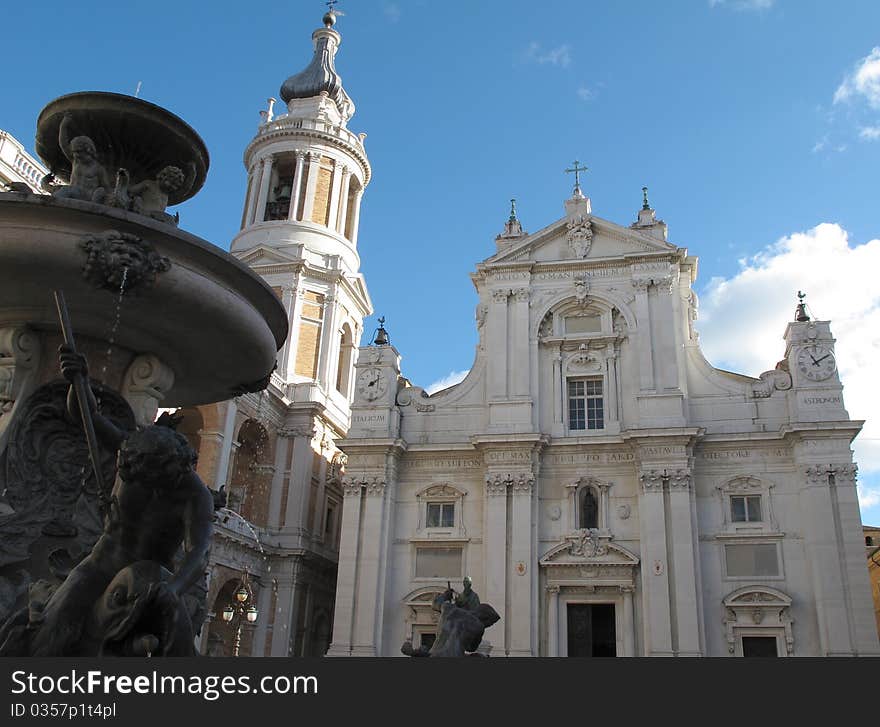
(238, 611)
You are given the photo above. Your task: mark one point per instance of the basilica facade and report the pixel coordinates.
(606, 488)
(608, 491)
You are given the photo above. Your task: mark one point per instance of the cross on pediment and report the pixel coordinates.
(576, 169)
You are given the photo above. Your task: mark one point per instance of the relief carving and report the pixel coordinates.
(580, 235)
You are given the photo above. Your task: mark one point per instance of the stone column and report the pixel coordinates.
(329, 336)
(688, 598)
(284, 615)
(343, 618)
(629, 647)
(300, 478)
(656, 616)
(497, 342)
(282, 452)
(520, 337)
(821, 543)
(311, 184)
(265, 183)
(288, 300)
(643, 339)
(253, 191)
(367, 616)
(249, 193)
(558, 397)
(343, 200)
(335, 187)
(852, 553)
(264, 603)
(522, 563)
(226, 442)
(495, 548)
(613, 413)
(293, 215)
(553, 620)
(356, 215)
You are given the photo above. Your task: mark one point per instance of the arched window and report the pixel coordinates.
(589, 509)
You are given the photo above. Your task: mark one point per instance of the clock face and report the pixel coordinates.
(371, 384)
(816, 362)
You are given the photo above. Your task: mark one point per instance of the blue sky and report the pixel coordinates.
(754, 123)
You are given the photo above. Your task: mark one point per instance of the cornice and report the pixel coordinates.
(292, 132)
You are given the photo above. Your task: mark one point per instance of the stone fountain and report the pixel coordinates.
(161, 318)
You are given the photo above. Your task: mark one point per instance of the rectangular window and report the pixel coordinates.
(438, 562)
(745, 509)
(441, 514)
(759, 646)
(585, 404)
(752, 560)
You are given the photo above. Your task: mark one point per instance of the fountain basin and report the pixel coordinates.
(213, 321)
(128, 132)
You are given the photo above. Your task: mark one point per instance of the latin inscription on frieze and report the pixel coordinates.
(820, 400)
(441, 463)
(589, 458)
(729, 455)
(369, 420)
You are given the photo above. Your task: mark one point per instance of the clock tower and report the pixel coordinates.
(816, 392)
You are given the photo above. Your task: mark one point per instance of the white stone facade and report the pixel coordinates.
(17, 165)
(594, 465)
(274, 451)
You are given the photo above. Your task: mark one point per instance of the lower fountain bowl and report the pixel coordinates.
(208, 317)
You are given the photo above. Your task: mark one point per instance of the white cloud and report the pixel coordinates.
(743, 4)
(452, 378)
(868, 496)
(863, 82)
(870, 133)
(559, 56)
(743, 317)
(585, 94)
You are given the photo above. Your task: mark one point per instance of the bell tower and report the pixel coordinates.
(306, 175)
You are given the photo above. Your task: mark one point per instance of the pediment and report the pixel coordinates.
(261, 255)
(599, 239)
(573, 551)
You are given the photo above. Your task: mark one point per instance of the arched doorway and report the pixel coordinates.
(251, 481)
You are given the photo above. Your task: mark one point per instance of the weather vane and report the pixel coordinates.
(577, 177)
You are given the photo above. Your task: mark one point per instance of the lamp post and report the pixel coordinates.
(240, 611)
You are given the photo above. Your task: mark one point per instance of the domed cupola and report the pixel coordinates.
(320, 76)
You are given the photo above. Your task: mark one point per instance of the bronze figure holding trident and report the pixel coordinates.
(125, 598)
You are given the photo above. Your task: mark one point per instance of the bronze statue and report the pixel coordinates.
(89, 180)
(126, 597)
(468, 598)
(150, 197)
(460, 630)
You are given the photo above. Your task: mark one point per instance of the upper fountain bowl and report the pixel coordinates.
(128, 133)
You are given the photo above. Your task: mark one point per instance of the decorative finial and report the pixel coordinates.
(800, 313)
(331, 14)
(645, 204)
(512, 217)
(381, 336)
(577, 178)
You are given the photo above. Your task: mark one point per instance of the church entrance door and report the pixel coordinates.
(591, 630)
